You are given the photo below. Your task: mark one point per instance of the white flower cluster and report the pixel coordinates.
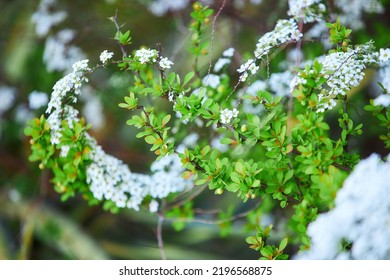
(165, 63)
(55, 119)
(110, 179)
(361, 216)
(343, 71)
(352, 11)
(45, 18)
(146, 55)
(57, 107)
(59, 54)
(307, 10)
(249, 66)
(228, 115)
(382, 100)
(150, 56)
(285, 31)
(105, 56)
(70, 83)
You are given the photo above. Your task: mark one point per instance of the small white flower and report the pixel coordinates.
(105, 56)
(171, 96)
(384, 55)
(64, 151)
(146, 55)
(227, 115)
(253, 68)
(81, 66)
(165, 63)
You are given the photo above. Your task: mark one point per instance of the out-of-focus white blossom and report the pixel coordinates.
(252, 90)
(161, 7)
(211, 80)
(105, 56)
(361, 216)
(382, 100)
(280, 83)
(45, 18)
(221, 62)
(93, 108)
(228, 52)
(59, 54)
(227, 115)
(23, 114)
(352, 11)
(306, 10)
(384, 76)
(7, 97)
(37, 100)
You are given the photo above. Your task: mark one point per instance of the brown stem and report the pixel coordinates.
(160, 240)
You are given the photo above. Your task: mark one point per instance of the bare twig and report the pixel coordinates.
(159, 237)
(122, 47)
(213, 35)
(216, 222)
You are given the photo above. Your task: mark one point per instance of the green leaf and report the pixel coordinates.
(283, 244)
(188, 77)
(165, 120)
(150, 139)
(239, 167)
(266, 251)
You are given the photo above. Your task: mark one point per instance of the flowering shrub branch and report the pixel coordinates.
(280, 150)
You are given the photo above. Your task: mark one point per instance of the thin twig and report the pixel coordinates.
(159, 237)
(216, 222)
(183, 199)
(213, 35)
(122, 47)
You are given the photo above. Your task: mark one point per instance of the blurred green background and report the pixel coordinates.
(34, 223)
